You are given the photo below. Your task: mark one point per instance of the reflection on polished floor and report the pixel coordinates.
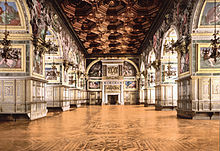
(113, 128)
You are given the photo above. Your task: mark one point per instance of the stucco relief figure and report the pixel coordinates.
(11, 10)
(96, 70)
(38, 64)
(208, 17)
(128, 69)
(184, 62)
(40, 18)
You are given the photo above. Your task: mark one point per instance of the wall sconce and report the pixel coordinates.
(156, 64)
(66, 65)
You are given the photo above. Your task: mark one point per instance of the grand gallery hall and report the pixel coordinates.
(109, 75)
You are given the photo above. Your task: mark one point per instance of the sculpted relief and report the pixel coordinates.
(113, 71)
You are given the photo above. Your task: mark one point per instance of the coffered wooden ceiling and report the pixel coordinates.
(111, 26)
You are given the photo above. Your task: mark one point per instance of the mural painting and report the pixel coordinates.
(96, 70)
(11, 10)
(207, 60)
(94, 85)
(128, 69)
(11, 63)
(208, 17)
(130, 84)
(51, 74)
(184, 62)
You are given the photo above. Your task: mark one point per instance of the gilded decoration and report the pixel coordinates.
(110, 88)
(112, 70)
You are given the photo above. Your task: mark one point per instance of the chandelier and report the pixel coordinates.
(7, 52)
(214, 52)
(42, 46)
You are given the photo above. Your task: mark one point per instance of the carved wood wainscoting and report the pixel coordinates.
(150, 96)
(165, 96)
(57, 98)
(199, 97)
(22, 98)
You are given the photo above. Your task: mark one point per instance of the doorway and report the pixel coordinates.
(112, 99)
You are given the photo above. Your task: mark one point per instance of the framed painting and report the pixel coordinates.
(206, 62)
(94, 85)
(49, 74)
(130, 85)
(14, 65)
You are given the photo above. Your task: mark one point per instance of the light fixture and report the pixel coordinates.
(214, 52)
(7, 52)
(42, 46)
(170, 46)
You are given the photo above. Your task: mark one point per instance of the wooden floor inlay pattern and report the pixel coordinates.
(110, 128)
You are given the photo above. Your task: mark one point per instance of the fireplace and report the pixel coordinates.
(112, 99)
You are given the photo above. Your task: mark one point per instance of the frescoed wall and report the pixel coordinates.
(208, 13)
(12, 18)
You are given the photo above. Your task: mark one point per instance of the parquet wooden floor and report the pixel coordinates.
(110, 128)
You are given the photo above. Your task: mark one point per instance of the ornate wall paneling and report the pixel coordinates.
(62, 54)
(94, 81)
(166, 88)
(150, 79)
(199, 94)
(58, 97)
(112, 77)
(21, 92)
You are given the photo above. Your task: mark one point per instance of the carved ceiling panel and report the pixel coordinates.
(111, 26)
